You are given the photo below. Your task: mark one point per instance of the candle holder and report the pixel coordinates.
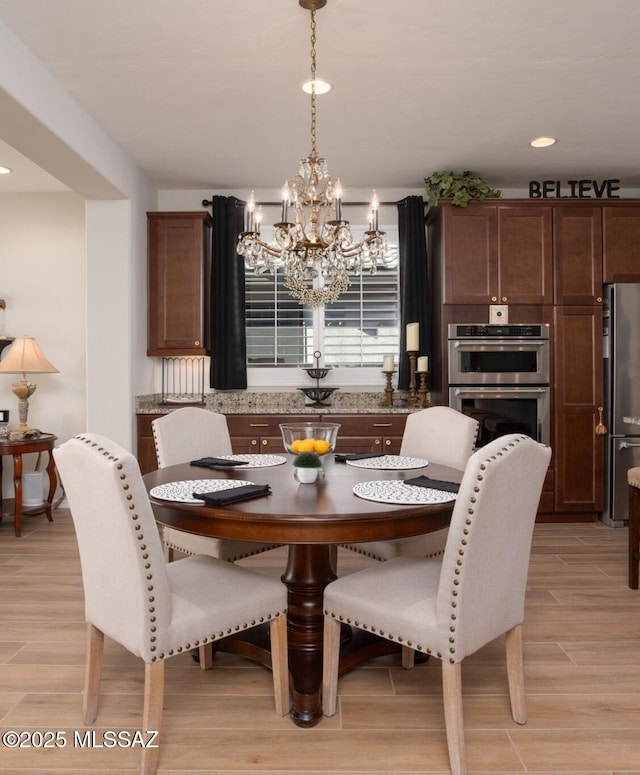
(388, 391)
(412, 398)
(422, 392)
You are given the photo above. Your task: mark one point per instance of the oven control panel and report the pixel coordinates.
(498, 331)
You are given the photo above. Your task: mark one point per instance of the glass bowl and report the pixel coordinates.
(317, 437)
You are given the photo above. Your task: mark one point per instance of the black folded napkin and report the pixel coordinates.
(217, 462)
(342, 458)
(433, 484)
(233, 495)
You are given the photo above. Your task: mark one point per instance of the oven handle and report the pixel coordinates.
(482, 345)
(481, 392)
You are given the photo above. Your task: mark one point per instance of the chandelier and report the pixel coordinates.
(312, 240)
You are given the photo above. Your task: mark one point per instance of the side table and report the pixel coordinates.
(17, 448)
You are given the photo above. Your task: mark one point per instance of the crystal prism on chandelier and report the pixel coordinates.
(312, 243)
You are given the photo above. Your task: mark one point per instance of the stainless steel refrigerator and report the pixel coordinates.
(622, 396)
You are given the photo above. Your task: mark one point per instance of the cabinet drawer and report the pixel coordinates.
(368, 425)
(262, 424)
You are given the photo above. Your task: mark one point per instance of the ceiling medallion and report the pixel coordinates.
(312, 243)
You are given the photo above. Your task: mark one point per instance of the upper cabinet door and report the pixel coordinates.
(621, 244)
(469, 254)
(577, 241)
(497, 254)
(525, 255)
(178, 282)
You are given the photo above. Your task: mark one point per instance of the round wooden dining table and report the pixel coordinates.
(311, 519)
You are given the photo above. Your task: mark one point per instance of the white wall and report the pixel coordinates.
(43, 122)
(43, 282)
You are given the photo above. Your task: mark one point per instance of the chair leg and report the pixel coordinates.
(330, 665)
(92, 672)
(280, 664)
(515, 675)
(408, 658)
(205, 656)
(453, 721)
(152, 713)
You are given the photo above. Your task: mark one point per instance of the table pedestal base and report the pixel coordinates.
(310, 567)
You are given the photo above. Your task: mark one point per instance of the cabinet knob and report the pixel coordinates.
(196, 343)
(387, 442)
(254, 442)
(265, 442)
(377, 442)
(599, 299)
(504, 298)
(494, 298)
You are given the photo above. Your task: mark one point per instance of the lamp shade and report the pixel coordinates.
(25, 357)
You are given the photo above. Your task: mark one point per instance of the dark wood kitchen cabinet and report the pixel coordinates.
(369, 432)
(178, 251)
(495, 253)
(621, 244)
(260, 433)
(146, 448)
(578, 392)
(577, 250)
(593, 242)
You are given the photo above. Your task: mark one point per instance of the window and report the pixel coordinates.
(355, 331)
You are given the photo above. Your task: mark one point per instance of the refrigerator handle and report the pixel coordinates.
(627, 445)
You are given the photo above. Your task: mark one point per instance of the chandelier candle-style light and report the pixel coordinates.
(312, 239)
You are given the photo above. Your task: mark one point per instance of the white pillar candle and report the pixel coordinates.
(387, 363)
(423, 364)
(413, 337)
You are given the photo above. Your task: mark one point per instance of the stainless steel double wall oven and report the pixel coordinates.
(499, 374)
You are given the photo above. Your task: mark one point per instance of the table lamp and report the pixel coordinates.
(25, 357)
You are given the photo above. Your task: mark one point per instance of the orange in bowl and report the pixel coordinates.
(306, 445)
(321, 446)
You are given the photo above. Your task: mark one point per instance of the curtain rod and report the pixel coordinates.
(209, 203)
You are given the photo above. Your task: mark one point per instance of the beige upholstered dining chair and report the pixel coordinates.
(450, 609)
(439, 435)
(154, 609)
(188, 434)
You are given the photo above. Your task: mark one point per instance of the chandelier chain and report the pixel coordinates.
(314, 150)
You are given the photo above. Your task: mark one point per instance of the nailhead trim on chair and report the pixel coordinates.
(454, 592)
(151, 598)
(236, 557)
(355, 548)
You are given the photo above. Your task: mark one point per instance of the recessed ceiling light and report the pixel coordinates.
(322, 86)
(5, 170)
(543, 142)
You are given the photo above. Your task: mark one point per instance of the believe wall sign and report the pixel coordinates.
(574, 189)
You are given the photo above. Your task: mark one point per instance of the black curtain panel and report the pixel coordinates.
(414, 281)
(227, 333)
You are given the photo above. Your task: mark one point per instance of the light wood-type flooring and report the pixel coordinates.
(582, 651)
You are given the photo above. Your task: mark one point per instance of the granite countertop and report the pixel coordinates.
(247, 402)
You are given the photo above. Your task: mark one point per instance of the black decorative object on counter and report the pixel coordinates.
(318, 395)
